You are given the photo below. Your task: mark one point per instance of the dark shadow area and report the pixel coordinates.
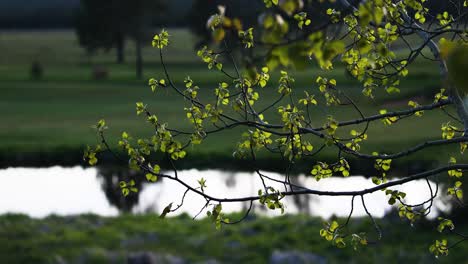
(110, 177)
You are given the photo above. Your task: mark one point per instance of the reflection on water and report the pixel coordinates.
(110, 177)
(63, 191)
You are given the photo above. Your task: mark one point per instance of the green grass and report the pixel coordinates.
(95, 239)
(56, 113)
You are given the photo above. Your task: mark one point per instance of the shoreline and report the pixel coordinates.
(68, 157)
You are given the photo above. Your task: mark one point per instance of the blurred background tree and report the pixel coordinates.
(107, 24)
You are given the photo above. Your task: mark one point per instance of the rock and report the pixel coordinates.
(249, 232)
(44, 228)
(197, 241)
(59, 260)
(209, 261)
(138, 240)
(142, 258)
(153, 258)
(152, 237)
(132, 242)
(98, 255)
(286, 257)
(233, 244)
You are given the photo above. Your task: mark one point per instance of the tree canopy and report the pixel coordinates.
(106, 24)
(376, 42)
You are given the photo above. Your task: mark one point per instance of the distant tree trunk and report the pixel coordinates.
(139, 58)
(120, 48)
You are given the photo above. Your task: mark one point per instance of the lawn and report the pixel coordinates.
(40, 117)
(94, 239)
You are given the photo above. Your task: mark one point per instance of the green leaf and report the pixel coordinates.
(323, 232)
(151, 177)
(333, 226)
(340, 243)
(161, 40)
(140, 108)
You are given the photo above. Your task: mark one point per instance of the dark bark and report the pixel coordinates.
(120, 47)
(139, 58)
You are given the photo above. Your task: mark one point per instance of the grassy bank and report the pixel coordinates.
(93, 239)
(50, 118)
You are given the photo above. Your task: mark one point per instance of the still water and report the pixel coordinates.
(39, 192)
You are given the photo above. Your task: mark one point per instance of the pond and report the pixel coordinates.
(39, 192)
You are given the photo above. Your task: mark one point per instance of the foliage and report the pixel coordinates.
(85, 237)
(106, 24)
(236, 14)
(100, 24)
(361, 36)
